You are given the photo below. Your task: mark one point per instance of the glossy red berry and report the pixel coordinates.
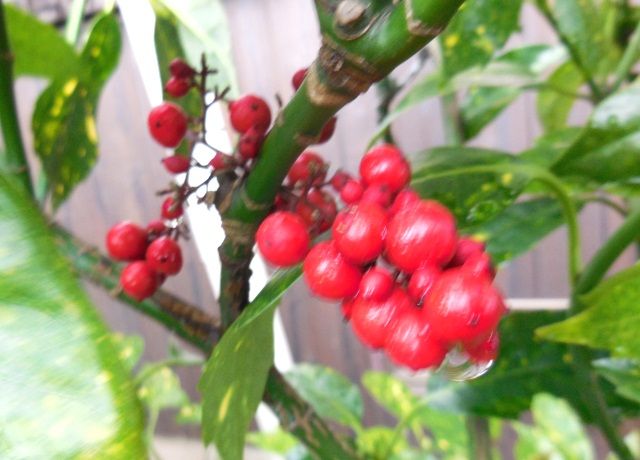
(283, 239)
(126, 241)
(404, 199)
(411, 343)
(347, 307)
(167, 124)
(176, 164)
(376, 284)
(485, 349)
(462, 307)
(370, 319)
(155, 228)
(318, 209)
(327, 130)
(171, 209)
(177, 87)
(298, 78)
(138, 280)
(359, 232)
(378, 194)
(250, 143)
(421, 282)
(249, 111)
(480, 264)
(385, 165)
(464, 248)
(164, 256)
(180, 69)
(328, 274)
(424, 233)
(309, 168)
(221, 161)
(339, 179)
(351, 191)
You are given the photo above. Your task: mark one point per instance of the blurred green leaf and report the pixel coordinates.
(64, 391)
(623, 373)
(278, 441)
(482, 105)
(161, 389)
(380, 442)
(129, 349)
(38, 48)
(64, 119)
(551, 147)
(189, 414)
(555, 103)
(477, 31)
(390, 392)
(331, 394)
(518, 228)
(235, 375)
(611, 320)
(475, 184)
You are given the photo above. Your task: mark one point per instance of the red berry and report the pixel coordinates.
(462, 307)
(347, 307)
(328, 274)
(420, 234)
(299, 77)
(309, 168)
(376, 284)
(221, 161)
(404, 199)
(371, 319)
(339, 179)
(126, 241)
(249, 111)
(177, 87)
(327, 130)
(421, 282)
(283, 239)
(351, 192)
(170, 209)
(411, 342)
(180, 69)
(164, 256)
(466, 247)
(480, 264)
(155, 228)
(378, 194)
(167, 124)
(138, 280)
(176, 164)
(359, 232)
(385, 165)
(485, 349)
(250, 143)
(318, 209)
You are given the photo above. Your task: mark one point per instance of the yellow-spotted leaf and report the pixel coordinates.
(64, 390)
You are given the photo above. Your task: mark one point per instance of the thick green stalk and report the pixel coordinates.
(629, 58)
(14, 160)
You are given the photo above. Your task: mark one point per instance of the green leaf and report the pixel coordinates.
(551, 147)
(390, 392)
(609, 149)
(482, 105)
(518, 228)
(129, 348)
(555, 104)
(38, 48)
(64, 392)
(611, 320)
(202, 28)
(162, 389)
(278, 441)
(474, 184)
(189, 414)
(380, 442)
(477, 31)
(64, 119)
(331, 394)
(623, 373)
(235, 375)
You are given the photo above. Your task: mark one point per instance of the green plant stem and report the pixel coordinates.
(14, 161)
(201, 330)
(479, 437)
(151, 369)
(451, 120)
(387, 88)
(74, 21)
(629, 58)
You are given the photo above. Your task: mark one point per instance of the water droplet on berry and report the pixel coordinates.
(458, 367)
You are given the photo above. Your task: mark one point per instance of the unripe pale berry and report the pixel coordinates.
(249, 111)
(138, 280)
(171, 209)
(419, 234)
(283, 239)
(176, 164)
(126, 241)
(328, 274)
(385, 165)
(164, 256)
(167, 124)
(359, 232)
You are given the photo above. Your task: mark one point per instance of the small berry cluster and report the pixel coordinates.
(408, 283)
(152, 254)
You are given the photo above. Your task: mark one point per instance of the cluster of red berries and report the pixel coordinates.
(407, 282)
(152, 255)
